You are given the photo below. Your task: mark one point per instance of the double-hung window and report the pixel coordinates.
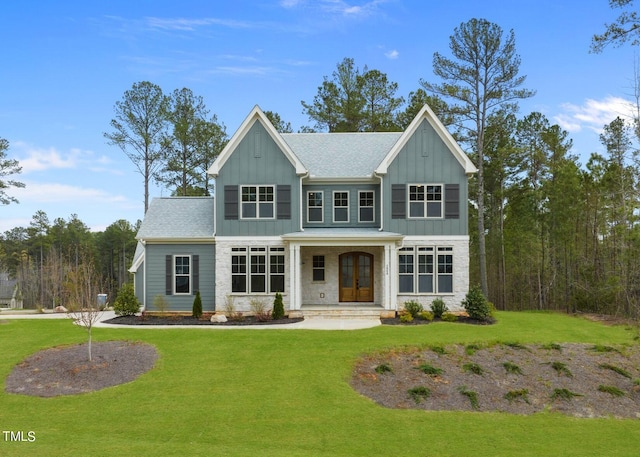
(318, 268)
(425, 201)
(182, 274)
(258, 202)
(315, 207)
(425, 270)
(366, 211)
(340, 206)
(257, 270)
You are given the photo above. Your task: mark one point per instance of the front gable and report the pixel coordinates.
(257, 178)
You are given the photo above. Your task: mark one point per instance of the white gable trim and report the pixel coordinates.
(256, 114)
(452, 145)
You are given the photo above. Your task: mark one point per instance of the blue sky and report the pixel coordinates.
(65, 64)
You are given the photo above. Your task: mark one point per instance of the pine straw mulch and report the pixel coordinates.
(566, 378)
(66, 370)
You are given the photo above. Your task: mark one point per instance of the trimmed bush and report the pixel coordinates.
(477, 305)
(196, 310)
(413, 307)
(426, 316)
(449, 317)
(278, 307)
(438, 307)
(126, 303)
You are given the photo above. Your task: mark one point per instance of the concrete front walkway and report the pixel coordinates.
(316, 323)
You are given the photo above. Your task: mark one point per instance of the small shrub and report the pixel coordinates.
(126, 303)
(230, 309)
(419, 393)
(196, 310)
(477, 305)
(563, 394)
(512, 368)
(515, 395)
(430, 370)
(552, 347)
(612, 390)
(438, 307)
(471, 395)
(406, 318)
(471, 349)
(603, 349)
(383, 368)
(449, 317)
(259, 310)
(438, 350)
(515, 345)
(615, 369)
(473, 368)
(426, 316)
(278, 307)
(160, 303)
(562, 369)
(413, 307)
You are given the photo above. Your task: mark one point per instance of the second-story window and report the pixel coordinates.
(315, 208)
(366, 211)
(340, 206)
(258, 202)
(425, 201)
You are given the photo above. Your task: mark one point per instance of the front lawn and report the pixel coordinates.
(287, 393)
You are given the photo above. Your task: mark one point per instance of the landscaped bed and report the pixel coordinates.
(178, 319)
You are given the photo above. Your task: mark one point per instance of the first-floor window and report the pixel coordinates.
(276, 270)
(182, 276)
(318, 268)
(254, 270)
(239, 270)
(419, 273)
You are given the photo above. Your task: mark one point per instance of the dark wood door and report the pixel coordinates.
(356, 277)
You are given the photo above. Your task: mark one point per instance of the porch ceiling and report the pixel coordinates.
(346, 236)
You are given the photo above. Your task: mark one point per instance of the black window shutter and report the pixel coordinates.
(283, 198)
(195, 273)
(398, 201)
(231, 202)
(168, 275)
(452, 201)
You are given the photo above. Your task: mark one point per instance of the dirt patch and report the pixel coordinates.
(574, 379)
(66, 370)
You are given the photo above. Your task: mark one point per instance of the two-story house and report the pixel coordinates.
(328, 219)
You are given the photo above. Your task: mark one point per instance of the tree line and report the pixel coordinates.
(547, 232)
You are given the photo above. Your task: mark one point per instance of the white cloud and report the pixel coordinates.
(393, 54)
(39, 192)
(34, 159)
(593, 114)
(190, 25)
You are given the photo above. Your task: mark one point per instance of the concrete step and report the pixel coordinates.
(342, 312)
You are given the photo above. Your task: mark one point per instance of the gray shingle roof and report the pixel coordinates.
(178, 218)
(341, 155)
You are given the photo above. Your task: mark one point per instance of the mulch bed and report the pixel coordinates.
(190, 320)
(461, 319)
(66, 370)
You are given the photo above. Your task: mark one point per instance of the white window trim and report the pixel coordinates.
(257, 202)
(373, 206)
(348, 207)
(268, 252)
(415, 251)
(175, 275)
(425, 201)
(323, 268)
(321, 221)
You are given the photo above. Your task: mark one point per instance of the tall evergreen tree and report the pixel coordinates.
(8, 167)
(481, 78)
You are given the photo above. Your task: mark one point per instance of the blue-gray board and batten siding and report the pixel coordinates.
(257, 161)
(425, 159)
(156, 274)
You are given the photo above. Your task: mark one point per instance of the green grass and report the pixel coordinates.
(287, 393)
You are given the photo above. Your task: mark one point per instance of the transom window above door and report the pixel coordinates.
(258, 202)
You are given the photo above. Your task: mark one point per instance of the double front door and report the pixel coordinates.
(356, 277)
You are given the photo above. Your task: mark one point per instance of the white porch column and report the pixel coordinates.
(295, 282)
(393, 276)
(386, 278)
